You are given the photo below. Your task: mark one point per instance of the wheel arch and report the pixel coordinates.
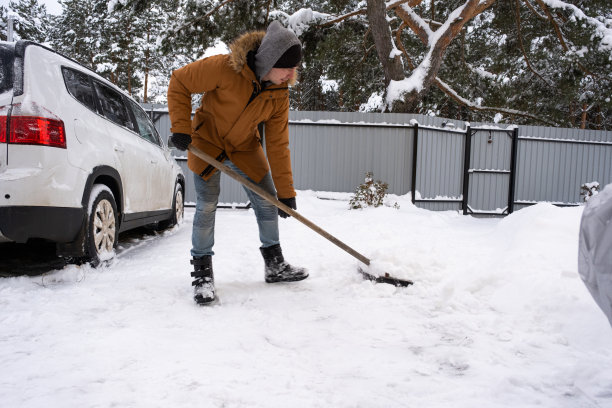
(109, 177)
(99, 175)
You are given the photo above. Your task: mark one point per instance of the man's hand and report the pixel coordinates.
(180, 140)
(289, 202)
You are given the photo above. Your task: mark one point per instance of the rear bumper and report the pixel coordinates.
(57, 224)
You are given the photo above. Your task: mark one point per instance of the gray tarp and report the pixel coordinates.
(595, 249)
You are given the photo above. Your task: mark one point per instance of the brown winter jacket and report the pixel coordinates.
(224, 122)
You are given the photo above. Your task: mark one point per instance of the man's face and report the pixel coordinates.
(279, 75)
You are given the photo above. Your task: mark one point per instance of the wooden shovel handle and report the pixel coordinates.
(272, 200)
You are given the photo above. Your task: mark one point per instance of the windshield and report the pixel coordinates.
(7, 58)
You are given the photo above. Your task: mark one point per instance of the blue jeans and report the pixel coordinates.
(207, 192)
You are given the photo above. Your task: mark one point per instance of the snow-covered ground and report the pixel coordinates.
(498, 317)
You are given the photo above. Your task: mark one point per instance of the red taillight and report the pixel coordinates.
(2, 129)
(35, 130)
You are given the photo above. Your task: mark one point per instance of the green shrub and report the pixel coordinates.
(369, 194)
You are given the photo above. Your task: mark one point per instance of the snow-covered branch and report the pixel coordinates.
(534, 11)
(423, 75)
(363, 11)
(301, 19)
(601, 28)
(344, 17)
(415, 22)
(201, 18)
(517, 14)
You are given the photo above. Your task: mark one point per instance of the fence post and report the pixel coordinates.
(466, 168)
(513, 156)
(415, 144)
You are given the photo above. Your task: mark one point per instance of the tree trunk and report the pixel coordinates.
(381, 32)
(598, 118)
(146, 67)
(584, 116)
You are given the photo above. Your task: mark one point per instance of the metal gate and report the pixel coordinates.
(489, 171)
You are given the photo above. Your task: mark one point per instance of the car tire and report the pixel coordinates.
(178, 205)
(102, 231)
(178, 209)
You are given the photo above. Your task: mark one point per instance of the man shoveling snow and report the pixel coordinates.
(241, 90)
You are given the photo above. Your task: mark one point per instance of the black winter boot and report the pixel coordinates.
(204, 283)
(277, 270)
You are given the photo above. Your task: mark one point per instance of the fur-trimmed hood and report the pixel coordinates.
(241, 46)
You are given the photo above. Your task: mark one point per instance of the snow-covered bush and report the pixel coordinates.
(588, 190)
(369, 194)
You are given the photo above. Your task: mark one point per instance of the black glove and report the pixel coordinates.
(180, 140)
(289, 202)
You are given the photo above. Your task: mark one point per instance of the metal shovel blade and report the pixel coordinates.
(386, 278)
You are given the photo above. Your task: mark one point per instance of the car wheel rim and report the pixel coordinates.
(104, 227)
(179, 206)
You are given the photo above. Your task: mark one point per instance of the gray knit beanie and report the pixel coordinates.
(275, 43)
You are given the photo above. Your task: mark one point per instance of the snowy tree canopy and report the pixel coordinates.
(521, 61)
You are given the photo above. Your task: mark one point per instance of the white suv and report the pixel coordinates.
(80, 161)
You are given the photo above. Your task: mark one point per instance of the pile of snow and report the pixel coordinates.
(498, 317)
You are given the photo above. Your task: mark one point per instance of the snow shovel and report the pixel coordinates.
(272, 200)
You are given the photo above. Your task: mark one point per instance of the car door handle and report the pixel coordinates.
(119, 148)
(153, 161)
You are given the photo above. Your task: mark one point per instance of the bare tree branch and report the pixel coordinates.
(366, 53)
(552, 21)
(534, 11)
(343, 17)
(444, 87)
(398, 40)
(363, 11)
(268, 10)
(411, 3)
(517, 13)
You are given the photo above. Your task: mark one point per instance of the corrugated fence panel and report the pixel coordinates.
(435, 183)
(554, 167)
(332, 151)
(490, 165)
(488, 192)
(336, 158)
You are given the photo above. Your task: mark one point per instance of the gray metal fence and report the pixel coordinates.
(479, 168)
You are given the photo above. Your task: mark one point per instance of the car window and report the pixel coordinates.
(145, 127)
(7, 57)
(112, 105)
(79, 86)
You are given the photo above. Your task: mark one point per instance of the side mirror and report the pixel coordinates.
(170, 144)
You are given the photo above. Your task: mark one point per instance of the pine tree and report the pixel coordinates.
(3, 23)
(32, 22)
(77, 31)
